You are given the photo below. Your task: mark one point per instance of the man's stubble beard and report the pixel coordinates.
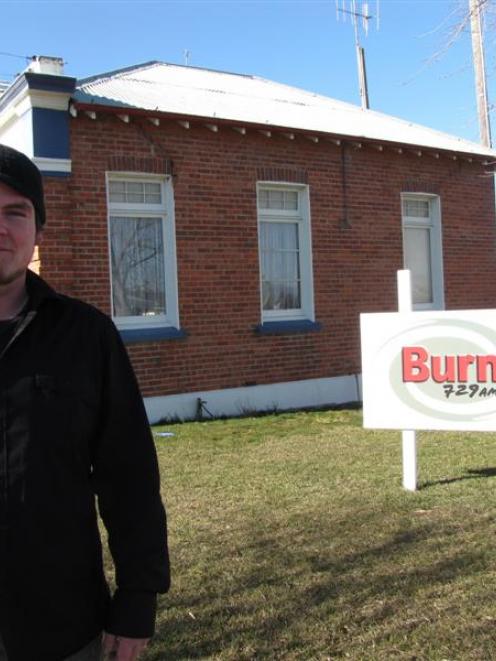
(7, 278)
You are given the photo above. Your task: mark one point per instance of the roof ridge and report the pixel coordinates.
(146, 65)
(114, 72)
(222, 71)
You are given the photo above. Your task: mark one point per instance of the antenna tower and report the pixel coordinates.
(345, 8)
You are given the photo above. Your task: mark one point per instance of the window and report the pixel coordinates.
(142, 251)
(285, 252)
(422, 252)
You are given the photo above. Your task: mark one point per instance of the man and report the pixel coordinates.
(72, 425)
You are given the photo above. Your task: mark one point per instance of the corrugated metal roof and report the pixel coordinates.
(4, 85)
(181, 90)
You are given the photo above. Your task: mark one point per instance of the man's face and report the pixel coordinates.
(18, 234)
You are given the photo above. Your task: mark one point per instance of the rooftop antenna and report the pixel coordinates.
(186, 54)
(346, 8)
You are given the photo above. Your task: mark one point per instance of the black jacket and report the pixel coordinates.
(72, 425)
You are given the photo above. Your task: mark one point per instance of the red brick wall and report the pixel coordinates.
(215, 176)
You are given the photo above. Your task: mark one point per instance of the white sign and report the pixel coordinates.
(429, 370)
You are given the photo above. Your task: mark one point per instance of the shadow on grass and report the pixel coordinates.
(302, 600)
(471, 474)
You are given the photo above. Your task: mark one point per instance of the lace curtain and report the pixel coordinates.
(138, 274)
(280, 266)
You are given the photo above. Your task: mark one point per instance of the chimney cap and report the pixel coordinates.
(46, 64)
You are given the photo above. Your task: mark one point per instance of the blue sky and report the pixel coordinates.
(300, 43)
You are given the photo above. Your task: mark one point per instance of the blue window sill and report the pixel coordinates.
(130, 336)
(283, 327)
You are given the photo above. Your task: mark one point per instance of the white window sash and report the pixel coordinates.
(432, 224)
(300, 217)
(165, 212)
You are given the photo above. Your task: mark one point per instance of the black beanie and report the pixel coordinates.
(20, 173)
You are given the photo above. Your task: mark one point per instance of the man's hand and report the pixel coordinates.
(118, 648)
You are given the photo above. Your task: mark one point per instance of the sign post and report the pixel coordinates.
(409, 446)
(409, 440)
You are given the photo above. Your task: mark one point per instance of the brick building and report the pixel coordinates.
(235, 228)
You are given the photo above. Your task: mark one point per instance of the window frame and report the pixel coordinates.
(301, 217)
(433, 224)
(164, 211)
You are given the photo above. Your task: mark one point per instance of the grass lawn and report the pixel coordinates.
(292, 538)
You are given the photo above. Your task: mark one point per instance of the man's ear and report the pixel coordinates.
(38, 237)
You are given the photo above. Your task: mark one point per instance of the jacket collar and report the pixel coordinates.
(38, 290)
